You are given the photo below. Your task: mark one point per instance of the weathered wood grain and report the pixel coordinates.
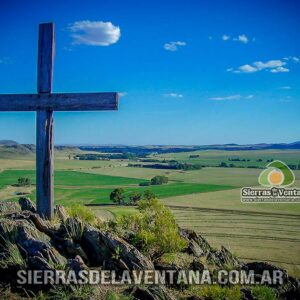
(44, 164)
(44, 124)
(45, 58)
(59, 101)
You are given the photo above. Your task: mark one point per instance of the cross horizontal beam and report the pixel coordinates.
(59, 101)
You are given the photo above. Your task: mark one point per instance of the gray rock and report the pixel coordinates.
(77, 264)
(222, 258)
(39, 263)
(30, 240)
(26, 204)
(198, 246)
(61, 212)
(102, 246)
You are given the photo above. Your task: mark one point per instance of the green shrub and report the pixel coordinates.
(117, 195)
(158, 180)
(22, 181)
(82, 212)
(216, 292)
(154, 227)
(264, 293)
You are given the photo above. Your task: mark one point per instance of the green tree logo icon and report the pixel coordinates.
(276, 174)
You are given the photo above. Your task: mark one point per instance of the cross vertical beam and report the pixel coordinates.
(44, 124)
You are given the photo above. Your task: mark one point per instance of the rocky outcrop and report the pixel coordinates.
(197, 245)
(106, 248)
(30, 241)
(71, 244)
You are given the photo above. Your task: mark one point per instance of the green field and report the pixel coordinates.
(206, 200)
(215, 157)
(73, 187)
(67, 178)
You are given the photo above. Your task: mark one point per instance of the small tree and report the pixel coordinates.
(135, 197)
(149, 195)
(158, 180)
(24, 181)
(117, 195)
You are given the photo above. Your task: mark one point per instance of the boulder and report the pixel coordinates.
(30, 241)
(103, 246)
(77, 264)
(197, 245)
(26, 204)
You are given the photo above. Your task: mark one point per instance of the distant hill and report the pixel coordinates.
(174, 149)
(12, 149)
(8, 142)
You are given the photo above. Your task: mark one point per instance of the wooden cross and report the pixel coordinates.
(44, 103)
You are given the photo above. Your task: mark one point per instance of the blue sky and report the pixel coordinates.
(189, 72)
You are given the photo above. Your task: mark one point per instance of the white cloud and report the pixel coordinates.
(292, 58)
(225, 37)
(122, 94)
(246, 69)
(269, 64)
(95, 33)
(242, 38)
(173, 46)
(232, 97)
(279, 70)
(173, 95)
(285, 87)
(273, 66)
